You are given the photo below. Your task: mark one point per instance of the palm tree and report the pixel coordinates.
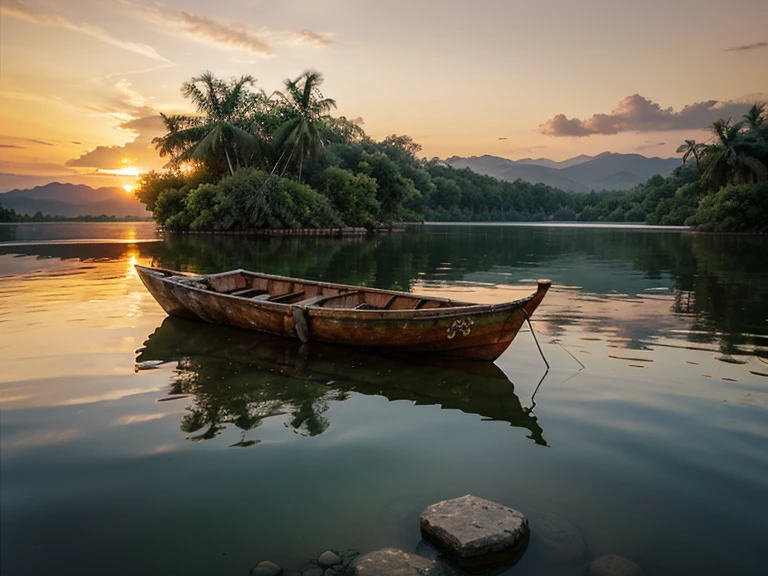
(728, 160)
(223, 115)
(300, 135)
(691, 148)
(757, 131)
(757, 119)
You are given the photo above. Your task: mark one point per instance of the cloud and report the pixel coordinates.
(17, 139)
(11, 146)
(205, 29)
(131, 112)
(755, 46)
(638, 114)
(30, 167)
(23, 11)
(562, 126)
(139, 152)
(650, 145)
(308, 37)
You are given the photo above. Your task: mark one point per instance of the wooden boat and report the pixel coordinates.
(341, 314)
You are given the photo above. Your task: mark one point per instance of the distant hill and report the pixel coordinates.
(606, 171)
(509, 170)
(72, 200)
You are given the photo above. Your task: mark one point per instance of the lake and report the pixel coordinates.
(134, 443)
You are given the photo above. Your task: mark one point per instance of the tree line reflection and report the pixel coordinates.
(719, 283)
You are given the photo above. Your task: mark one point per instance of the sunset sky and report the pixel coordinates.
(81, 81)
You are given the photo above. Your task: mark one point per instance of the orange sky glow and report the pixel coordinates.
(82, 81)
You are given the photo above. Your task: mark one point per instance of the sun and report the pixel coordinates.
(128, 187)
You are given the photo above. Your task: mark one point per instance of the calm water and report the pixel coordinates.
(133, 443)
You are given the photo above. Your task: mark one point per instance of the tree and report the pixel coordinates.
(691, 148)
(220, 126)
(728, 159)
(401, 148)
(756, 121)
(300, 135)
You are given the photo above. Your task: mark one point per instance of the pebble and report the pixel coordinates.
(328, 559)
(613, 565)
(267, 568)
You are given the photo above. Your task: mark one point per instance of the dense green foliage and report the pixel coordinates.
(247, 160)
(740, 208)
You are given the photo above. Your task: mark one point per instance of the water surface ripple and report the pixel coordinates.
(135, 443)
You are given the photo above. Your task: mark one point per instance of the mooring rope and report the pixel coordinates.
(528, 319)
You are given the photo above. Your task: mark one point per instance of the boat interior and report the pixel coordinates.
(303, 293)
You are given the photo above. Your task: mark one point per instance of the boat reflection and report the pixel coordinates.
(241, 378)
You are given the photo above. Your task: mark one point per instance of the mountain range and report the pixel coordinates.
(72, 200)
(606, 171)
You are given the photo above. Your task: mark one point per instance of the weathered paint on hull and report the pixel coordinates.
(471, 331)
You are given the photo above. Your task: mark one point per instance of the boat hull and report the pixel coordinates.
(459, 330)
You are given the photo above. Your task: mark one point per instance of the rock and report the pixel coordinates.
(556, 539)
(613, 565)
(328, 559)
(334, 571)
(314, 571)
(348, 555)
(267, 568)
(475, 531)
(390, 562)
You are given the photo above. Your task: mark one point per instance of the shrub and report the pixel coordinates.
(741, 208)
(252, 199)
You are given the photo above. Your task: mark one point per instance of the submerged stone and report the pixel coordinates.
(390, 562)
(267, 568)
(475, 531)
(613, 565)
(556, 539)
(328, 559)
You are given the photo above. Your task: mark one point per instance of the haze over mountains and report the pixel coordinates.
(73, 200)
(606, 171)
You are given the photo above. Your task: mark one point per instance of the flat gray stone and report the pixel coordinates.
(613, 565)
(390, 562)
(267, 568)
(475, 531)
(328, 559)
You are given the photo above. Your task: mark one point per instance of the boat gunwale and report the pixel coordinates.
(458, 309)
